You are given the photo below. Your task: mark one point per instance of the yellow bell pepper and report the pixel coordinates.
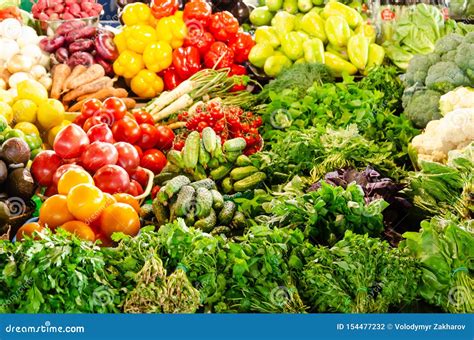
(314, 51)
(334, 8)
(139, 36)
(172, 30)
(120, 40)
(367, 31)
(376, 57)
(136, 13)
(158, 56)
(337, 30)
(358, 51)
(147, 84)
(338, 65)
(341, 52)
(128, 64)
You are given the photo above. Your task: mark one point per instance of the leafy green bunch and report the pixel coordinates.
(359, 274)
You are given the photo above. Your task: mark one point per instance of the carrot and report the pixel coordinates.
(95, 86)
(129, 102)
(92, 73)
(76, 71)
(60, 74)
(106, 93)
(77, 107)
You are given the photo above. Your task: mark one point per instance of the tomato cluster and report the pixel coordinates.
(110, 122)
(227, 121)
(83, 209)
(213, 41)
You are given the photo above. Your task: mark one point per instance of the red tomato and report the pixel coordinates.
(143, 117)
(44, 166)
(149, 136)
(165, 137)
(51, 191)
(139, 150)
(141, 176)
(154, 191)
(126, 130)
(112, 179)
(90, 122)
(60, 172)
(135, 188)
(100, 133)
(70, 142)
(154, 160)
(97, 155)
(80, 120)
(91, 107)
(128, 157)
(115, 107)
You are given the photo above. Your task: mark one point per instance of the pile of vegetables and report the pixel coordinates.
(335, 36)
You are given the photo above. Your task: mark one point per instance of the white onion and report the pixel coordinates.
(46, 81)
(10, 28)
(28, 36)
(44, 60)
(20, 63)
(8, 48)
(38, 71)
(32, 51)
(17, 77)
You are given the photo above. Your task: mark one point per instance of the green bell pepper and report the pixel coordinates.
(261, 16)
(338, 65)
(274, 5)
(267, 34)
(260, 53)
(358, 50)
(313, 24)
(305, 5)
(275, 64)
(337, 31)
(318, 2)
(33, 141)
(314, 51)
(290, 6)
(283, 23)
(334, 8)
(292, 45)
(339, 51)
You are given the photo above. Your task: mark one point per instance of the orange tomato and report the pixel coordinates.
(28, 230)
(119, 217)
(86, 202)
(128, 199)
(54, 212)
(71, 178)
(82, 230)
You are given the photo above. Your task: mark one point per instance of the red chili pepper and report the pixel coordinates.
(171, 78)
(223, 25)
(197, 12)
(237, 71)
(200, 39)
(187, 61)
(241, 44)
(219, 56)
(164, 8)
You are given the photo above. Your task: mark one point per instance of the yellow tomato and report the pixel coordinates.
(72, 178)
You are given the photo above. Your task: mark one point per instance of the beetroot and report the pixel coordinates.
(105, 47)
(82, 33)
(80, 58)
(85, 45)
(50, 45)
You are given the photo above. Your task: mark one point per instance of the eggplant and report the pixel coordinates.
(241, 12)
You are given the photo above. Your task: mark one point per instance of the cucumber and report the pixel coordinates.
(189, 219)
(243, 160)
(207, 224)
(163, 177)
(185, 202)
(204, 183)
(174, 185)
(199, 173)
(242, 172)
(213, 163)
(161, 213)
(235, 144)
(203, 202)
(232, 156)
(204, 156)
(221, 172)
(218, 154)
(209, 139)
(227, 212)
(162, 196)
(227, 185)
(146, 211)
(217, 200)
(191, 150)
(249, 182)
(238, 221)
(222, 229)
(175, 158)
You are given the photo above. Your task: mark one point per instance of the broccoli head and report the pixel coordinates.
(418, 68)
(423, 107)
(449, 56)
(445, 76)
(465, 59)
(469, 38)
(448, 43)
